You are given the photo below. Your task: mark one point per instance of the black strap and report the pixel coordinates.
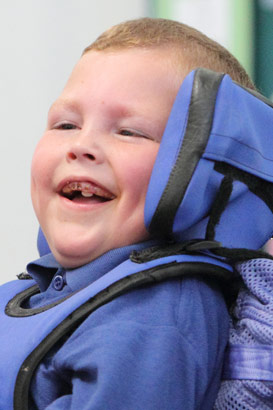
(235, 255)
(154, 275)
(219, 206)
(191, 247)
(261, 188)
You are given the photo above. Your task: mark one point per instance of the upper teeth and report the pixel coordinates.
(87, 189)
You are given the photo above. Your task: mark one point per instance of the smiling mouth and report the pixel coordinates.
(85, 192)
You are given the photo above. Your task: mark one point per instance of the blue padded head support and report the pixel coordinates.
(216, 128)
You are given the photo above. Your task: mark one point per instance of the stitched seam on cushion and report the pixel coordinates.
(242, 143)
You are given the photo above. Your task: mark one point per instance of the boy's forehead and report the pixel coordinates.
(131, 72)
(148, 59)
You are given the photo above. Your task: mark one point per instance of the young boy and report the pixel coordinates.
(158, 346)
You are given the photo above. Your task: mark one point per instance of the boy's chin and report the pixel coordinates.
(72, 255)
(72, 261)
(75, 248)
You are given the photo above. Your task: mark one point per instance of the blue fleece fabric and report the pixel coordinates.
(158, 347)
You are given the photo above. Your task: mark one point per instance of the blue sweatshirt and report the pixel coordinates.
(156, 347)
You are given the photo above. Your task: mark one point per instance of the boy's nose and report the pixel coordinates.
(84, 152)
(73, 155)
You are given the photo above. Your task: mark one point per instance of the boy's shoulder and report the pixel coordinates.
(180, 308)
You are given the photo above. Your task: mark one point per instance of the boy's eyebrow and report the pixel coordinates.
(70, 105)
(63, 103)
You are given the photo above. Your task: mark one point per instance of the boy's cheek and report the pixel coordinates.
(36, 197)
(138, 170)
(42, 164)
(36, 164)
(40, 181)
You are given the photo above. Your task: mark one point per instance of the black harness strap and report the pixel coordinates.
(173, 270)
(259, 187)
(219, 206)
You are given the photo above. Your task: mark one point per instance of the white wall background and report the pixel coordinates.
(40, 41)
(212, 17)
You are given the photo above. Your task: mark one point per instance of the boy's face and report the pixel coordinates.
(91, 169)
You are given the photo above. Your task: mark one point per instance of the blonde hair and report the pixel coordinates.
(192, 48)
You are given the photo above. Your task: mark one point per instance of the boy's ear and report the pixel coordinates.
(42, 244)
(216, 129)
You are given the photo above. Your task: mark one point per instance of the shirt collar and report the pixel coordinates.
(43, 269)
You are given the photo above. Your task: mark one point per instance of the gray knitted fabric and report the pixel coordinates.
(252, 324)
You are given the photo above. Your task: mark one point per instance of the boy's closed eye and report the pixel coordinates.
(134, 133)
(130, 133)
(64, 126)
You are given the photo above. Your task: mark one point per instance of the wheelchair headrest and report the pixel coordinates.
(214, 163)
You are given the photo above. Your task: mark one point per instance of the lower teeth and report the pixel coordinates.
(87, 194)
